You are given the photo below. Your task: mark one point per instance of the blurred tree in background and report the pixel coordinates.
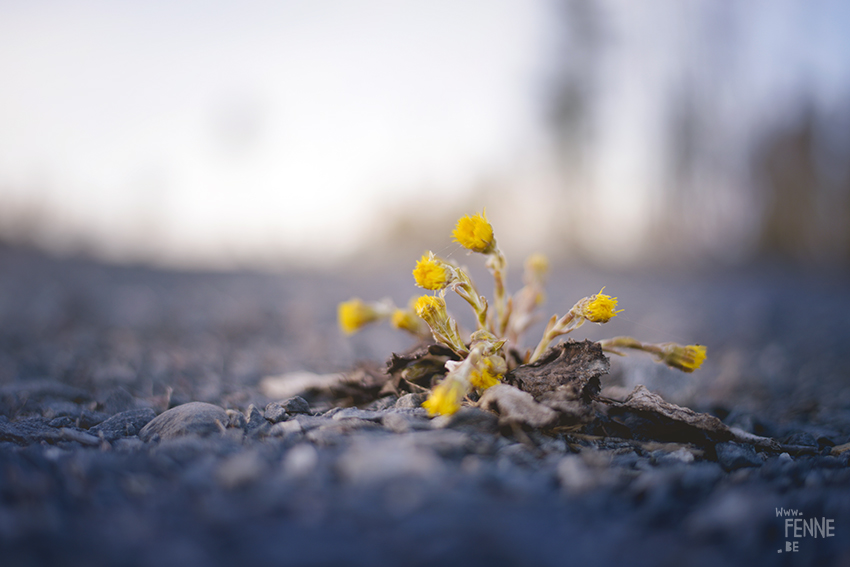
(730, 125)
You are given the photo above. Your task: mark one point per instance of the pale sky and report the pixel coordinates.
(196, 127)
(194, 132)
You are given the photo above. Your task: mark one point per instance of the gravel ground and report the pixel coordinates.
(133, 430)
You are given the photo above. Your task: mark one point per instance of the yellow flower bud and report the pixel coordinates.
(685, 358)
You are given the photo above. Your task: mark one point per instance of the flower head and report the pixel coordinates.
(685, 358)
(445, 398)
(431, 308)
(431, 273)
(353, 314)
(599, 308)
(484, 377)
(475, 233)
(405, 320)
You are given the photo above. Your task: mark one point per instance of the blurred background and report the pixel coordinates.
(268, 134)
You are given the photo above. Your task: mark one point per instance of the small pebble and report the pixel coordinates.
(733, 456)
(194, 418)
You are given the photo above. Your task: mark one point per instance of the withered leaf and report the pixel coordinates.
(569, 371)
(399, 362)
(647, 416)
(361, 385)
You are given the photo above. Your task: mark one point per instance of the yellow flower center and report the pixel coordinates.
(430, 273)
(600, 308)
(475, 233)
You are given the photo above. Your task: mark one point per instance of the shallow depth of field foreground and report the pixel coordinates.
(152, 417)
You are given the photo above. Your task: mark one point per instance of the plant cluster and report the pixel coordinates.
(483, 357)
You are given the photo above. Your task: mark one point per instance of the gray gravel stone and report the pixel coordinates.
(411, 400)
(275, 412)
(379, 460)
(240, 469)
(451, 443)
(118, 400)
(801, 438)
(308, 422)
(64, 421)
(26, 431)
(733, 456)
(300, 461)
(574, 475)
(295, 405)
(42, 389)
(257, 425)
(473, 419)
(334, 432)
(403, 422)
(287, 430)
(124, 424)
(382, 403)
(61, 408)
(236, 419)
(194, 418)
(356, 413)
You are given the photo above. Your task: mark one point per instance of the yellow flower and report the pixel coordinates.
(444, 329)
(488, 371)
(685, 358)
(484, 378)
(475, 233)
(444, 399)
(405, 320)
(600, 308)
(430, 308)
(431, 273)
(353, 314)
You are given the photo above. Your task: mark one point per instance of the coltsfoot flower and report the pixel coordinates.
(599, 308)
(432, 273)
(445, 398)
(483, 379)
(686, 358)
(406, 320)
(432, 310)
(475, 233)
(493, 348)
(353, 314)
